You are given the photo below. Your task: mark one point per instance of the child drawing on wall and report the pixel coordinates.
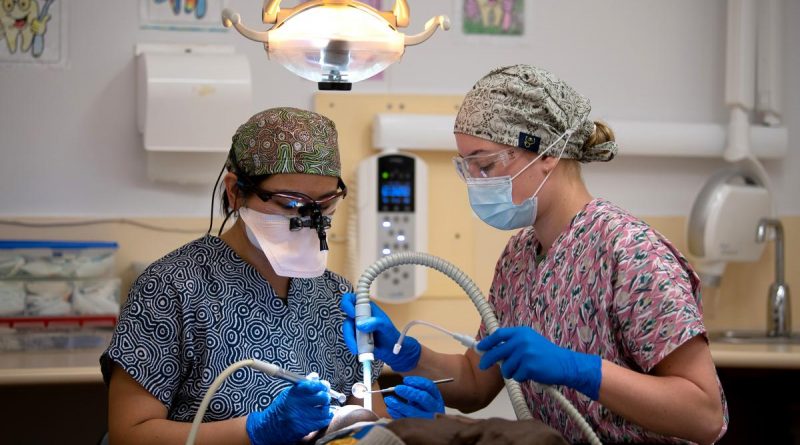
(198, 7)
(23, 25)
(497, 17)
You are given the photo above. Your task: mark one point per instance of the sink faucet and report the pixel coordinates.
(779, 311)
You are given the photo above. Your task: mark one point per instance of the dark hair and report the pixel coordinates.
(244, 188)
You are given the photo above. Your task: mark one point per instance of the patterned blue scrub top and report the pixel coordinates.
(201, 308)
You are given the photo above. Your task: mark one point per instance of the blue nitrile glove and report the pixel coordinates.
(526, 355)
(297, 411)
(423, 399)
(384, 336)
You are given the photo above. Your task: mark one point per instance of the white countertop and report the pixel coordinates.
(728, 355)
(57, 366)
(82, 365)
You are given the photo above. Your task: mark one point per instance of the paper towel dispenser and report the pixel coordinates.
(190, 100)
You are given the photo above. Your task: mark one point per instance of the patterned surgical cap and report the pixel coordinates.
(528, 107)
(286, 140)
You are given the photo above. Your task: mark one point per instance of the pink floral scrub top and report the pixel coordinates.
(609, 285)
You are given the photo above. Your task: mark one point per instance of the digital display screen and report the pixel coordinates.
(395, 183)
(396, 190)
(396, 195)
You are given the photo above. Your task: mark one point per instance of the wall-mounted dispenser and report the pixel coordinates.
(723, 221)
(190, 100)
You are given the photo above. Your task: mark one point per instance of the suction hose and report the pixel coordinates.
(363, 310)
(265, 367)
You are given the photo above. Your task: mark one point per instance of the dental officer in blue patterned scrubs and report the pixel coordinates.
(260, 290)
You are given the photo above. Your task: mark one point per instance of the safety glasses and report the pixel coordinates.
(484, 165)
(301, 203)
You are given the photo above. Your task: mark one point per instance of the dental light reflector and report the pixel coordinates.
(334, 42)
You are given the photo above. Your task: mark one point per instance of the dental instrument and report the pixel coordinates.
(366, 345)
(464, 339)
(265, 367)
(360, 391)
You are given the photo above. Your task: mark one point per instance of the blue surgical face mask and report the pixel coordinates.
(491, 198)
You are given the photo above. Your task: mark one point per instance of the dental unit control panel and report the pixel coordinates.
(392, 218)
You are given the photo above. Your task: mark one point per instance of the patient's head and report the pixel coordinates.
(350, 414)
(343, 418)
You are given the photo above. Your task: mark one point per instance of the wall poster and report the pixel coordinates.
(32, 32)
(182, 15)
(493, 17)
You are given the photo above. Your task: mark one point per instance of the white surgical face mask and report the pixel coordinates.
(492, 201)
(293, 254)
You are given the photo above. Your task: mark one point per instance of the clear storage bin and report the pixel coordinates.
(37, 339)
(56, 259)
(59, 298)
(57, 314)
(57, 294)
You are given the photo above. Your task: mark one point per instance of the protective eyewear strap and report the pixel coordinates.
(567, 133)
(544, 152)
(528, 165)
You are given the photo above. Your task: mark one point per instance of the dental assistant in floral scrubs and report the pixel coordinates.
(588, 296)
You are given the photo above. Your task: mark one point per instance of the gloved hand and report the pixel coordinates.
(384, 336)
(297, 411)
(423, 399)
(526, 355)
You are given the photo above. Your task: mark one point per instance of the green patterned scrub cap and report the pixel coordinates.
(528, 107)
(286, 140)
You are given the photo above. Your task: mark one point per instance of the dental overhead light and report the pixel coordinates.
(334, 42)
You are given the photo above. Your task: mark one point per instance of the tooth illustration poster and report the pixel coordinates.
(30, 32)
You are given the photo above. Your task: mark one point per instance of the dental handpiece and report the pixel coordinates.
(289, 376)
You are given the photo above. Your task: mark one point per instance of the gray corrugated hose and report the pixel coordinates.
(485, 310)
